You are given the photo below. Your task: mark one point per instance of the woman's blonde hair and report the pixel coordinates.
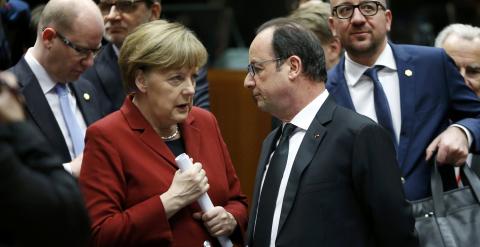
(161, 45)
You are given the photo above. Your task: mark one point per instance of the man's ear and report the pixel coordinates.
(47, 36)
(295, 67)
(140, 81)
(155, 11)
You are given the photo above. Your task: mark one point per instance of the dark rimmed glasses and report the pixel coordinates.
(84, 52)
(124, 6)
(367, 8)
(253, 70)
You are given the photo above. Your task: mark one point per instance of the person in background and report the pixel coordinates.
(61, 106)
(133, 189)
(121, 18)
(314, 16)
(327, 172)
(41, 203)
(414, 92)
(462, 44)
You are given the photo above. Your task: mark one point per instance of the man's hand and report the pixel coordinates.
(218, 221)
(11, 109)
(76, 165)
(451, 146)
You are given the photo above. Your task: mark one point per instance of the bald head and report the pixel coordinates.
(64, 14)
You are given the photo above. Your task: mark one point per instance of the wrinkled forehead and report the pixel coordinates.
(261, 46)
(334, 3)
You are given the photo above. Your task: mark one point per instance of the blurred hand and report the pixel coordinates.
(76, 165)
(11, 109)
(218, 221)
(186, 187)
(451, 146)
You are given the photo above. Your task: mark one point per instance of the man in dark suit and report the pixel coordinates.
(421, 91)
(121, 18)
(334, 180)
(69, 34)
(41, 202)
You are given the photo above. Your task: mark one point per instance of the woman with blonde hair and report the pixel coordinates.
(133, 189)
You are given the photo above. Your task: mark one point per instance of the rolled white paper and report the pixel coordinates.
(184, 163)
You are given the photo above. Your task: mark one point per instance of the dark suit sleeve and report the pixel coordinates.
(377, 181)
(41, 202)
(201, 97)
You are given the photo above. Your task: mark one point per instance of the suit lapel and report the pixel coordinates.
(192, 137)
(84, 97)
(308, 148)
(267, 148)
(39, 109)
(337, 86)
(108, 71)
(146, 133)
(406, 77)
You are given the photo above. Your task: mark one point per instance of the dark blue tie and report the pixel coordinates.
(384, 116)
(76, 134)
(269, 193)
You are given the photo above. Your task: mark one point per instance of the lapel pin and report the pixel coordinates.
(316, 136)
(408, 73)
(86, 96)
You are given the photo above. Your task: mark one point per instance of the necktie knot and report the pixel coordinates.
(61, 89)
(288, 130)
(373, 73)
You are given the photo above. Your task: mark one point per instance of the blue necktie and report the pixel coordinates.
(384, 116)
(269, 193)
(76, 134)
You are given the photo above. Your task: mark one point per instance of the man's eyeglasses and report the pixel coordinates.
(80, 50)
(367, 8)
(253, 70)
(124, 6)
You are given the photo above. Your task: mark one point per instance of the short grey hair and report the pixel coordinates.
(464, 31)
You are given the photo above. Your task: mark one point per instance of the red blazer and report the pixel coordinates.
(126, 166)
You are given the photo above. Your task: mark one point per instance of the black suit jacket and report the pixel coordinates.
(41, 204)
(40, 113)
(106, 77)
(344, 188)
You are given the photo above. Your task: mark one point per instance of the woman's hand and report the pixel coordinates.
(218, 221)
(186, 187)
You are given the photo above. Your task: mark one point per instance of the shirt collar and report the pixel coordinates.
(354, 70)
(45, 81)
(116, 50)
(305, 117)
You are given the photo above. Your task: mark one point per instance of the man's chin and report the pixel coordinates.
(115, 38)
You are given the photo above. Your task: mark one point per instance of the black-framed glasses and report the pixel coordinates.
(253, 70)
(80, 50)
(367, 8)
(124, 6)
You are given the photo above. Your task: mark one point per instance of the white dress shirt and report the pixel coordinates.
(361, 89)
(48, 88)
(302, 120)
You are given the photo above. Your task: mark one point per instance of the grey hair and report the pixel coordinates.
(464, 31)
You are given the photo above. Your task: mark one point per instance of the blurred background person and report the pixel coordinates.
(314, 16)
(68, 36)
(41, 203)
(462, 43)
(121, 18)
(134, 192)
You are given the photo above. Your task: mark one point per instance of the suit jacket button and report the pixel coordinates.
(206, 243)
